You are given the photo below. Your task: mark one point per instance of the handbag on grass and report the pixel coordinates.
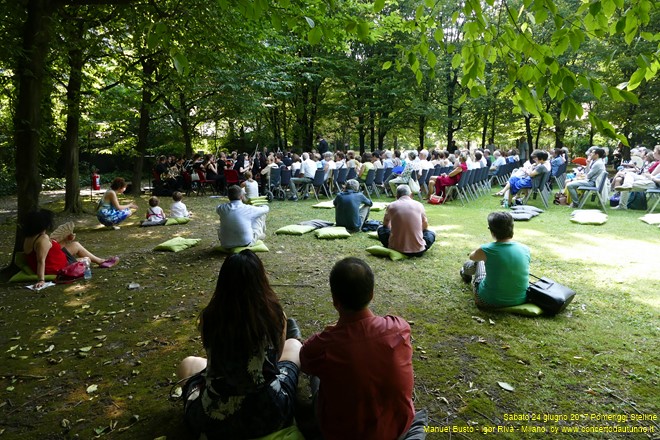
(549, 295)
(71, 273)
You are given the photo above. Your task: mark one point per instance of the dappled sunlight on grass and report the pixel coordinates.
(46, 332)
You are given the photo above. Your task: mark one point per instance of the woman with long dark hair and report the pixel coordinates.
(246, 386)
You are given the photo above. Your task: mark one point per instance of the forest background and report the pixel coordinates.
(135, 79)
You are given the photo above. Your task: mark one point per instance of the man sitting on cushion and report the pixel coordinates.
(240, 224)
(364, 363)
(500, 268)
(351, 207)
(405, 226)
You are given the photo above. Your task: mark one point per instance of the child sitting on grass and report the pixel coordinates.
(178, 208)
(155, 214)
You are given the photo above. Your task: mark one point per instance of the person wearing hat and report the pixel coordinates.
(351, 207)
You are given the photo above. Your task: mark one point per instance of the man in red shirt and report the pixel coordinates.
(405, 226)
(364, 364)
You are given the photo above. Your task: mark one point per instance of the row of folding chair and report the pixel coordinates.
(473, 184)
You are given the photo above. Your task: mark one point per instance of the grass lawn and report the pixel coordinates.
(96, 359)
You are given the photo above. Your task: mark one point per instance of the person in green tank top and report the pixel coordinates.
(498, 271)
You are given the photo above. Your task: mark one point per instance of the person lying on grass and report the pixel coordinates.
(45, 255)
(500, 269)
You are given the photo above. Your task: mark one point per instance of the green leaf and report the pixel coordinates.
(636, 78)
(429, 3)
(629, 97)
(438, 36)
(387, 65)
(456, 60)
(379, 5)
(363, 30)
(547, 118)
(431, 58)
(276, 21)
(418, 76)
(314, 35)
(310, 22)
(180, 61)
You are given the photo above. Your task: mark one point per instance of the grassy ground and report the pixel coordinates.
(96, 359)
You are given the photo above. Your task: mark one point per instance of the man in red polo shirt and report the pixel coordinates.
(364, 364)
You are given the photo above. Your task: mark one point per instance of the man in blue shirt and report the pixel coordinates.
(351, 207)
(240, 224)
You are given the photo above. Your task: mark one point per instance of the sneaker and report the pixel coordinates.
(109, 262)
(519, 202)
(574, 205)
(306, 196)
(467, 279)
(293, 198)
(292, 329)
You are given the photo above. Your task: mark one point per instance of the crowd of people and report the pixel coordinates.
(246, 385)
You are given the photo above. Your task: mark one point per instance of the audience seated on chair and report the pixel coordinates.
(595, 167)
(240, 224)
(364, 356)
(405, 175)
(522, 179)
(308, 168)
(499, 271)
(445, 180)
(639, 182)
(405, 227)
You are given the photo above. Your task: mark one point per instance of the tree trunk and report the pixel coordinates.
(148, 69)
(30, 74)
(372, 131)
(421, 127)
(72, 202)
(484, 130)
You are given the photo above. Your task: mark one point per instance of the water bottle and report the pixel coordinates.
(88, 270)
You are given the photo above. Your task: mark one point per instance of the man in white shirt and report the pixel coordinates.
(308, 170)
(240, 224)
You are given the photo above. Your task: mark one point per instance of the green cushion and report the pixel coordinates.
(379, 206)
(372, 234)
(21, 261)
(324, 205)
(527, 309)
(295, 229)
(381, 251)
(332, 232)
(258, 201)
(177, 244)
(588, 217)
(290, 433)
(177, 221)
(259, 246)
(24, 277)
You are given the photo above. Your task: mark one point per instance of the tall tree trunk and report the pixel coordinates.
(452, 83)
(72, 202)
(148, 69)
(186, 128)
(361, 132)
(421, 130)
(372, 131)
(484, 130)
(30, 74)
(528, 132)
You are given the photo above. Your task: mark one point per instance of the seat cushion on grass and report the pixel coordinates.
(177, 221)
(147, 223)
(381, 251)
(259, 246)
(588, 217)
(379, 206)
(295, 229)
(290, 433)
(332, 233)
(258, 201)
(651, 219)
(328, 204)
(521, 215)
(177, 244)
(26, 274)
(527, 309)
(529, 208)
(372, 234)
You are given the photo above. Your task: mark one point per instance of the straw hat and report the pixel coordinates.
(62, 232)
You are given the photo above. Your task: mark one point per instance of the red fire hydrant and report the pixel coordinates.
(96, 181)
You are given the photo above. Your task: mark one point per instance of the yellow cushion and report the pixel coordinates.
(259, 246)
(177, 244)
(381, 251)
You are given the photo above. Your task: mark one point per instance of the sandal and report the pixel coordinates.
(109, 262)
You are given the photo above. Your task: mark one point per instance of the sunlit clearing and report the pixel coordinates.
(444, 227)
